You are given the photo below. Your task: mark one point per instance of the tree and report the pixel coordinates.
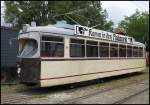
(137, 26)
(23, 12)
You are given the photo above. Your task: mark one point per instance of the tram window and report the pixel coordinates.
(52, 49)
(52, 38)
(103, 49)
(140, 52)
(92, 49)
(135, 51)
(27, 47)
(122, 51)
(113, 50)
(129, 51)
(77, 48)
(145, 53)
(77, 41)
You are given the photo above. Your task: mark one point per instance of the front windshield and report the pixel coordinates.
(27, 47)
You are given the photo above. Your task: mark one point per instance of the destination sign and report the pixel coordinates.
(90, 32)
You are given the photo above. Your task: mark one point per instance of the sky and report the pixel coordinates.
(116, 9)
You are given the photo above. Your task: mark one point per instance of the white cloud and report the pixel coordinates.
(118, 9)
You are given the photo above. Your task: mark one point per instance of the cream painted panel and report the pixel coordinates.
(66, 47)
(52, 69)
(67, 80)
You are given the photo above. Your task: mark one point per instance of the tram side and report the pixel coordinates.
(70, 59)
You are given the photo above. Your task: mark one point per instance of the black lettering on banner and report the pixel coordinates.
(103, 35)
(114, 37)
(108, 36)
(80, 30)
(90, 32)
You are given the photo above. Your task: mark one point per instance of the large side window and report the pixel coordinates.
(92, 49)
(103, 49)
(52, 46)
(122, 50)
(77, 48)
(140, 51)
(113, 50)
(135, 51)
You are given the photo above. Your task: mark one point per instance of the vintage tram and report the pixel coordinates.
(63, 53)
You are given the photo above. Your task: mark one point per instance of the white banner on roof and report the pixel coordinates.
(90, 32)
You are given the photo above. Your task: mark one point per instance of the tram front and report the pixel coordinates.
(28, 58)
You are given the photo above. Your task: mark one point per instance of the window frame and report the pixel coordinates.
(82, 44)
(124, 50)
(104, 46)
(99, 46)
(133, 52)
(129, 47)
(140, 49)
(95, 45)
(22, 46)
(116, 47)
(56, 42)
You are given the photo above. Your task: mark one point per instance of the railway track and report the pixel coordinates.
(129, 97)
(10, 83)
(13, 99)
(77, 99)
(20, 98)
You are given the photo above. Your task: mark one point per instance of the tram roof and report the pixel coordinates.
(62, 28)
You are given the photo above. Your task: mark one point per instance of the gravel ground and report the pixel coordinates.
(102, 98)
(143, 98)
(114, 95)
(53, 95)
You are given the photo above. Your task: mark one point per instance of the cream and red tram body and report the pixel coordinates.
(62, 54)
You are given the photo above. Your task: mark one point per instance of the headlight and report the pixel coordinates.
(18, 70)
